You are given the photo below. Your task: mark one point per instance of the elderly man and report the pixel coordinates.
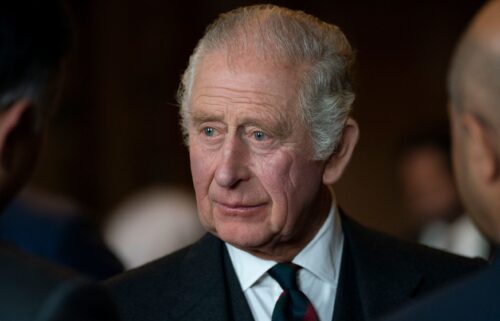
(474, 110)
(265, 105)
(34, 37)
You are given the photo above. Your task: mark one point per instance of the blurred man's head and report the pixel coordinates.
(34, 37)
(265, 105)
(426, 177)
(474, 88)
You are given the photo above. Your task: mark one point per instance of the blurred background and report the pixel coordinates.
(117, 130)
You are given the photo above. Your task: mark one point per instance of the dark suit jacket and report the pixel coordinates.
(62, 236)
(474, 298)
(32, 290)
(378, 274)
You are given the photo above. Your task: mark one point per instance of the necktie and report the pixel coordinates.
(292, 304)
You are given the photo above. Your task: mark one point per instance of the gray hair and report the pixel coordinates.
(326, 92)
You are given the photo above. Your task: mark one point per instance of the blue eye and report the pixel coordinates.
(209, 131)
(258, 135)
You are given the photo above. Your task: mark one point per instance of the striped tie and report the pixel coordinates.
(292, 304)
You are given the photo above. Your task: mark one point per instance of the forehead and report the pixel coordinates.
(245, 81)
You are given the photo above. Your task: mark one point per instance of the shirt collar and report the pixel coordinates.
(321, 256)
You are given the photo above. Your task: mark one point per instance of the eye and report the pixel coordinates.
(209, 131)
(259, 135)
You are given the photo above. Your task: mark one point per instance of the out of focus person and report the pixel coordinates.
(265, 105)
(57, 229)
(435, 214)
(34, 38)
(474, 109)
(152, 223)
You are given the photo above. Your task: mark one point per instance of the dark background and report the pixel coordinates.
(117, 129)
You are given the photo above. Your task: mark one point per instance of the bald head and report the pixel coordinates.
(474, 79)
(474, 85)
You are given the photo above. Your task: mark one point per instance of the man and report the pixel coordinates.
(34, 37)
(265, 105)
(434, 210)
(475, 118)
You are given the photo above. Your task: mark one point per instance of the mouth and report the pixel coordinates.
(238, 209)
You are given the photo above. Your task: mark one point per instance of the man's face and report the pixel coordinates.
(477, 199)
(256, 185)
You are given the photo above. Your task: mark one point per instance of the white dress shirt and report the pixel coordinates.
(318, 277)
(460, 237)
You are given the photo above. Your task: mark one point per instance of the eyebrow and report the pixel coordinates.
(202, 117)
(280, 126)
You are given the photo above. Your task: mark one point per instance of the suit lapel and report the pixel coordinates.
(209, 289)
(348, 306)
(200, 285)
(239, 309)
(385, 278)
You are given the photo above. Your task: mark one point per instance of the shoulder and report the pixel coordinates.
(150, 277)
(473, 298)
(385, 251)
(32, 287)
(57, 232)
(171, 286)
(156, 289)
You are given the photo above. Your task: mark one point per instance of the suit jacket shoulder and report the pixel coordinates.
(34, 289)
(474, 298)
(389, 272)
(195, 283)
(377, 246)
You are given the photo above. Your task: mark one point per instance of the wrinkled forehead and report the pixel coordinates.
(269, 79)
(247, 87)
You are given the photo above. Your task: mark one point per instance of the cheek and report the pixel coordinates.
(202, 166)
(202, 175)
(303, 182)
(456, 150)
(272, 172)
(458, 159)
(291, 183)
(198, 171)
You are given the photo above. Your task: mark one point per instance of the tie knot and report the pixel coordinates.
(285, 274)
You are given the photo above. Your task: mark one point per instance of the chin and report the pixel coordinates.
(243, 236)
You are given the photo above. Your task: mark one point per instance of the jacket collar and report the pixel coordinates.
(376, 270)
(207, 285)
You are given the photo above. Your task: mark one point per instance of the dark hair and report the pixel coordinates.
(35, 35)
(437, 137)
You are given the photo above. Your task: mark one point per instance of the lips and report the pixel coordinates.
(238, 208)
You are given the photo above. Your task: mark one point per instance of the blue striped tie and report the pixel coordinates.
(292, 304)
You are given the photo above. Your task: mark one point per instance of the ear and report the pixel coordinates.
(336, 164)
(12, 121)
(482, 151)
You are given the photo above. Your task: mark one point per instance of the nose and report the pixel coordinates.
(232, 168)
